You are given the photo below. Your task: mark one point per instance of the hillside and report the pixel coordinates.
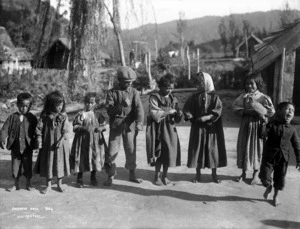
(202, 30)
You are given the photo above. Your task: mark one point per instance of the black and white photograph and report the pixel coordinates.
(150, 114)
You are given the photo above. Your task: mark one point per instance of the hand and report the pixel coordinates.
(2, 145)
(139, 127)
(100, 129)
(172, 111)
(204, 118)
(58, 144)
(298, 167)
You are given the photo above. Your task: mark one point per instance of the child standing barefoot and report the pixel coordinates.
(19, 129)
(207, 144)
(88, 148)
(163, 147)
(52, 129)
(281, 137)
(254, 107)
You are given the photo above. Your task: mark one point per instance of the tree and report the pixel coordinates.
(115, 20)
(287, 15)
(222, 30)
(87, 29)
(181, 29)
(234, 34)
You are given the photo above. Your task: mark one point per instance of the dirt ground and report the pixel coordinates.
(182, 204)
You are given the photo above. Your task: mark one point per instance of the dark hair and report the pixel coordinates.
(52, 100)
(198, 80)
(91, 95)
(166, 80)
(256, 76)
(283, 105)
(24, 96)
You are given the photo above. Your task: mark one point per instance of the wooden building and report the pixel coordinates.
(57, 56)
(242, 51)
(278, 60)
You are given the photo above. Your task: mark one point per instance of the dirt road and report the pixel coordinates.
(128, 205)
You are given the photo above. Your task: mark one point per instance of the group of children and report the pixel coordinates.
(263, 144)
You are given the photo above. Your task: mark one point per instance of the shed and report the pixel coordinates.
(251, 41)
(278, 60)
(57, 55)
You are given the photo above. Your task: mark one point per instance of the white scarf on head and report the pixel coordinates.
(208, 82)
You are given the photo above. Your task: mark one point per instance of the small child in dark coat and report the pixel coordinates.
(281, 136)
(19, 129)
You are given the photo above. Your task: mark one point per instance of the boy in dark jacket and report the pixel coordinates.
(126, 116)
(19, 129)
(281, 136)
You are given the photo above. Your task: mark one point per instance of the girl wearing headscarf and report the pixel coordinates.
(206, 145)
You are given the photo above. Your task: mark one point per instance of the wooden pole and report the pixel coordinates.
(188, 62)
(149, 67)
(198, 60)
(280, 79)
(156, 51)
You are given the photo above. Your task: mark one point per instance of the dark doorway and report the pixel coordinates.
(296, 91)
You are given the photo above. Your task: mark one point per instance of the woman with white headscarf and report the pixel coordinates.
(206, 145)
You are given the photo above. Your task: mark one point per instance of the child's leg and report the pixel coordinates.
(255, 178)
(165, 180)
(79, 180)
(48, 186)
(267, 192)
(276, 201)
(197, 179)
(215, 176)
(94, 181)
(129, 143)
(279, 179)
(242, 177)
(16, 170)
(157, 180)
(59, 185)
(27, 165)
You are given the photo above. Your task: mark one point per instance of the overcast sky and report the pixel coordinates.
(151, 11)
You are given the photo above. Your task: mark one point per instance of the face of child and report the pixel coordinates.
(59, 107)
(124, 84)
(250, 86)
(287, 113)
(24, 106)
(167, 90)
(90, 104)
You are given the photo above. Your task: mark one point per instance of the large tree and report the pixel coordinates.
(222, 30)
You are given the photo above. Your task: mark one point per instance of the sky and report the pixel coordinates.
(160, 11)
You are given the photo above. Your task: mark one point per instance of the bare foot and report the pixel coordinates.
(13, 188)
(79, 184)
(241, 178)
(45, 190)
(267, 192)
(197, 179)
(216, 179)
(158, 182)
(29, 188)
(135, 180)
(276, 201)
(60, 189)
(255, 180)
(166, 181)
(108, 181)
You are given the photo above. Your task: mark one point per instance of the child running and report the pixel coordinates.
(88, 148)
(163, 147)
(52, 129)
(255, 108)
(281, 137)
(19, 129)
(206, 145)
